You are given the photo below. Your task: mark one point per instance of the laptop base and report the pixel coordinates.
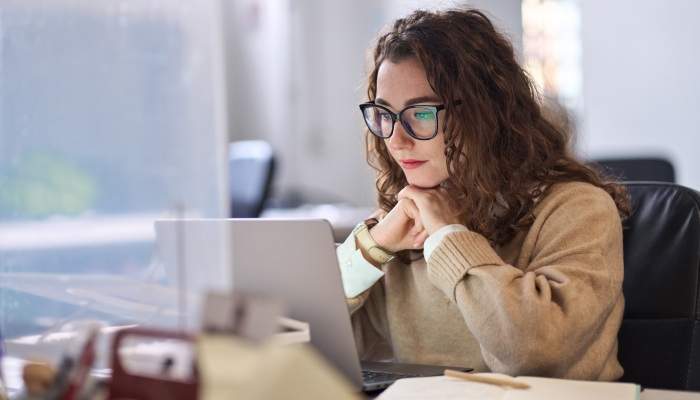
(383, 374)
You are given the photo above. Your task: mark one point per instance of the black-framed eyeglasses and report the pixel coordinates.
(420, 122)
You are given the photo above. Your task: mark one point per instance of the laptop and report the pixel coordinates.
(294, 261)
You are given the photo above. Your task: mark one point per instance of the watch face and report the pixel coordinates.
(365, 224)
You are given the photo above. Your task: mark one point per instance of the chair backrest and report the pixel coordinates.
(659, 340)
(251, 168)
(640, 169)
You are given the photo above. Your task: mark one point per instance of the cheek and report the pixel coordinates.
(439, 158)
(437, 148)
(391, 152)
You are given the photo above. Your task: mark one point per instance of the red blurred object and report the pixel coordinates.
(87, 358)
(138, 387)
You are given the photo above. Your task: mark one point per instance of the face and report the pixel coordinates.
(401, 85)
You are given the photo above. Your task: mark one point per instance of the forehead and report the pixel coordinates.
(399, 82)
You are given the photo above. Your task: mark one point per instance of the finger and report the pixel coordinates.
(420, 239)
(409, 208)
(417, 226)
(409, 192)
(421, 197)
(412, 212)
(402, 194)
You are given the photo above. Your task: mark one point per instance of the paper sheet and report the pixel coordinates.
(441, 387)
(547, 388)
(447, 388)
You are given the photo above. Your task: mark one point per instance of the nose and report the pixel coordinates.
(400, 139)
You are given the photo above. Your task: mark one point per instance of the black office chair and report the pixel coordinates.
(251, 169)
(659, 340)
(639, 169)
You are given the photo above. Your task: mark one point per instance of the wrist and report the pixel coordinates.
(367, 243)
(366, 255)
(435, 227)
(375, 231)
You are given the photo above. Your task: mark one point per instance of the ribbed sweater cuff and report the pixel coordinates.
(457, 253)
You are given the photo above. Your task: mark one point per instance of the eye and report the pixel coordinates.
(384, 116)
(424, 116)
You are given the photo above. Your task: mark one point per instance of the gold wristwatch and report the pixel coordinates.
(363, 237)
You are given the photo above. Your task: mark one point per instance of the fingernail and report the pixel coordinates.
(416, 245)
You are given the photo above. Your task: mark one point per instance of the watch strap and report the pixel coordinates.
(365, 240)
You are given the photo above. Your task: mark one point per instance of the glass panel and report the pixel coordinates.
(111, 116)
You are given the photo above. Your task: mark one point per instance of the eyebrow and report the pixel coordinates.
(413, 101)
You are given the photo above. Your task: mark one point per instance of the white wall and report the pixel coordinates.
(506, 14)
(259, 71)
(296, 79)
(294, 70)
(641, 66)
(330, 42)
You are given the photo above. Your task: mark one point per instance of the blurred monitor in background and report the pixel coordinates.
(251, 168)
(112, 115)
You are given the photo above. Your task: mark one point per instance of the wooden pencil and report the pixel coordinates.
(486, 379)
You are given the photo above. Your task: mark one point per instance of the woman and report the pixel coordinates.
(521, 265)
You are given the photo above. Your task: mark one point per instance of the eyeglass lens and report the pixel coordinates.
(418, 121)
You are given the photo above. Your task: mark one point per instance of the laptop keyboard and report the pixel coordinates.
(375, 376)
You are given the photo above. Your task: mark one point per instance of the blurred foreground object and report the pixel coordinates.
(237, 356)
(143, 386)
(76, 380)
(237, 359)
(72, 381)
(251, 168)
(249, 317)
(639, 169)
(37, 377)
(232, 368)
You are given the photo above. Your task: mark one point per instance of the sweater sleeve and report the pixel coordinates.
(370, 325)
(564, 297)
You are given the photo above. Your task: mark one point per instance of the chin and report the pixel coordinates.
(423, 183)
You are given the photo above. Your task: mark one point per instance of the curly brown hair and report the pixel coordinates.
(504, 147)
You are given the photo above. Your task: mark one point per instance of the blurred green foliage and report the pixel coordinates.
(43, 184)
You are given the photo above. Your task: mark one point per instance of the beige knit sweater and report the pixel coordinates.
(549, 303)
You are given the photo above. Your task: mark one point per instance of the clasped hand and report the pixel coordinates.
(418, 214)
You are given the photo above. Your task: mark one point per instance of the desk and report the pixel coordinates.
(647, 394)
(13, 370)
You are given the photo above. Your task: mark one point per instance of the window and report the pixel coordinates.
(552, 49)
(111, 116)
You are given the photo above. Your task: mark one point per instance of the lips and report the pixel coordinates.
(411, 164)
